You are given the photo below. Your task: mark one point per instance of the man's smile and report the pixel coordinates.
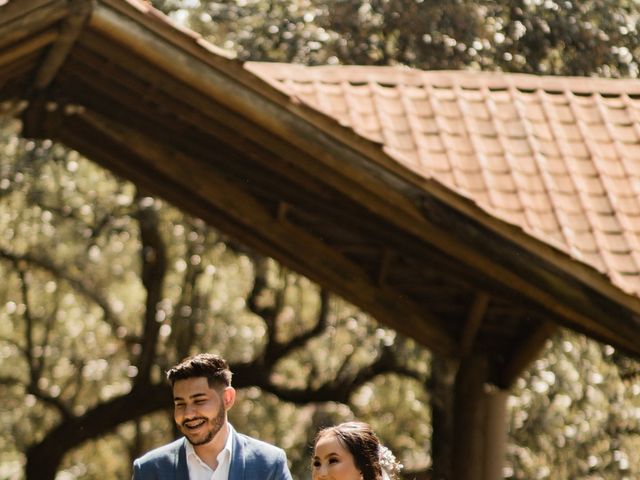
(194, 424)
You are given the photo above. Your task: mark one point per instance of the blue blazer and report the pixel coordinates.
(251, 460)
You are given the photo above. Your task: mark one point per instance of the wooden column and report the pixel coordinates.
(495, 433)
(479, 423)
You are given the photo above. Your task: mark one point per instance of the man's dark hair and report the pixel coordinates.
(213, 367)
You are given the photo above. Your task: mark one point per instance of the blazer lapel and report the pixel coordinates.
(237, 468)
(182, 470)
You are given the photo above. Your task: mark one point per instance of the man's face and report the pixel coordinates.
(199, 410)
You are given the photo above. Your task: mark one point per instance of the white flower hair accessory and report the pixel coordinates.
(390, 466)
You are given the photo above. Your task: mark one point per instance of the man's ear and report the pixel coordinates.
(228, 397)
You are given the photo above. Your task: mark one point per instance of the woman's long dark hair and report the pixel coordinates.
(362, 443)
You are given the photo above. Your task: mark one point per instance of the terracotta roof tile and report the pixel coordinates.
(597, 132)
(584, 241)
(617, 116)
(539, 202)
(541, 131)
(494, 163)
(430, 143)
(631, 152)
(574, 149)
(626, 206)
(625, 133)
(567, 131)
(399, 139)
(581, 166)
(467, 163)
(526, 165)
(423, 125)
(438, 162)
(567, 202)
(558, 157)
(597, 204)
(452, 125)
(613, 167)
(612, 242)
(576, 221)
(547, 148)
(458, 144)
(480, 126)
(500, 181)
(596, 260)
(631, 223)
(605, 223)
(504, 111)
(619, 186)
(528, 182)
(445, 178)
(534, 112)
(544, 221)
(488, 145)
(512, 129)
(505, 200)
(470, 181)
(588, 114)
(604, 149)
(517, 146)
(620, 263)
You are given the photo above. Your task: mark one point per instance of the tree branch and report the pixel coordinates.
(154, 267)
(337, 390)
(81, 285)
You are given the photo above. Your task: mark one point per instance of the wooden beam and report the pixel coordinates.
(21, 8)
(385, 261)
(473, 322)
(283, 241)
(79, 11)
(23, 18)
(525, 353)
(27, 47)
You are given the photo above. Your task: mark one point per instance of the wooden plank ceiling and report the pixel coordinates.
(457, 208)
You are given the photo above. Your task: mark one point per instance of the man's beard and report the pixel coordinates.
(215, 424)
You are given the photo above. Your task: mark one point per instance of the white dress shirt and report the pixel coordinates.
(198, 470)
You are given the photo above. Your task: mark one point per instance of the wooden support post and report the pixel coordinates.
(495, 439)
(479, 424)
(469, 418)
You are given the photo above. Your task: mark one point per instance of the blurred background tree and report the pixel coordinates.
(105, 287)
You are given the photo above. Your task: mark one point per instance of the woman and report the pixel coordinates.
(351, 451)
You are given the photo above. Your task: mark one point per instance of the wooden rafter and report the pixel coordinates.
(525, 353)
(79, 11)
(474, 321)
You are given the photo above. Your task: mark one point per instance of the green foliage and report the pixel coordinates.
(574, 416)
(532, 36)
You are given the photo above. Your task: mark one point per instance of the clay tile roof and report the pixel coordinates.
(557, 157)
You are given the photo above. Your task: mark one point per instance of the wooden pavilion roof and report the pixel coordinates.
(471, 211)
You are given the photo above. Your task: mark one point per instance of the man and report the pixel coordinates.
(210, 449)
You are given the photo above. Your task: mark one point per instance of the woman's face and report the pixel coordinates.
(332, 461)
